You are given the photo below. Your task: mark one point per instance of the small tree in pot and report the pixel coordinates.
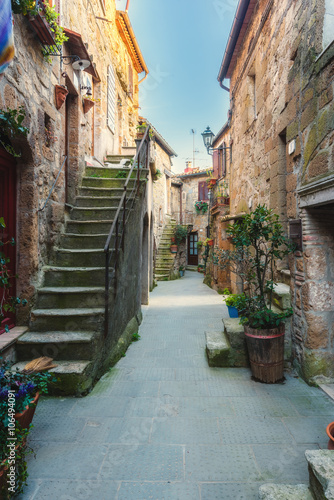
(259, 242)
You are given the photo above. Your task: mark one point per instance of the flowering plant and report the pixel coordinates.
(201, 206)
(24, 385)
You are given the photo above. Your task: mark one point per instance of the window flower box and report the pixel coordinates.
(41, 26)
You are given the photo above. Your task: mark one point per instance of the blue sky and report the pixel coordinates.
(183, 43)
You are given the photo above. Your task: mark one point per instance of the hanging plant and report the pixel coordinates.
(11, 126)
(58, 32)
(201, 207)
(24, 7)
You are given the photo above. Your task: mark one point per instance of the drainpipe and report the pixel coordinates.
(181, 205)
(144, 78)
(127, 5)
(233, 38)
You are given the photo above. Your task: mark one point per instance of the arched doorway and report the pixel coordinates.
(8, 212)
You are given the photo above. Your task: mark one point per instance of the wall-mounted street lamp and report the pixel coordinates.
(208, 136)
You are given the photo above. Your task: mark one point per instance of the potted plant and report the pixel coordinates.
(173, 248)
(180, 234)
(230, 301)
(201, 207)
(181, 270)
(60, 95)
(199, 244)
(11, 126)
(19, 394)
(259, 242)
(208, 242)
(88, 103)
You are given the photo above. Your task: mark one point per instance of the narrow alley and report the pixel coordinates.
(163, 425)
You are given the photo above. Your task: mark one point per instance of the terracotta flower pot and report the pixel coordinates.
(87, 105)
(61, 94)
(173, 248)
(25, 417)
(330, 434)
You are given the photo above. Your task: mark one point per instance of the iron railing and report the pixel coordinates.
(118, 227)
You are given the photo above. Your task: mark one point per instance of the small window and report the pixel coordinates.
(203, 192)
(111, 99)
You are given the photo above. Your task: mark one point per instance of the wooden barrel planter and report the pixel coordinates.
(266, 353)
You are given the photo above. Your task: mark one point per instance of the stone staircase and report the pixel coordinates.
(68, 320)
(165, 259)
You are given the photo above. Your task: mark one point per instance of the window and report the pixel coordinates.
(203, 192)
(111, 99)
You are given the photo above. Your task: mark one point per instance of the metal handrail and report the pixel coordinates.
(119, 223)
(55, 182)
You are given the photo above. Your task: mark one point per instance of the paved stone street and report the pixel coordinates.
(162, 425)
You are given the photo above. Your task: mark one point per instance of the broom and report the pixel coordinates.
(39, 365)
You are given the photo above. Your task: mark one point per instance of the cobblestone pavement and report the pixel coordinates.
(162, 425)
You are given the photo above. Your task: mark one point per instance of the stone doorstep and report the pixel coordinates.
(327, 388)
(217, 349)
(321, 472)
(9, 338)
(285, 492)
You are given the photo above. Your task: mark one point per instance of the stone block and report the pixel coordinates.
(291, 183)
(317, 331)
(281, 296)
(319, 165)
(285, 492)
(315, 263)
(217, 349)
(321, 472)
(309, 114)
(317, 363)
(325, 97)
(236, 337)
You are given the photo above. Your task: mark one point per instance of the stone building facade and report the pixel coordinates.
(187, 189)
(54, 211)
(279, 60)
(70, 135)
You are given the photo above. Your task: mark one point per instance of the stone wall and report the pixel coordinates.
(30, 81)
(282, 130)
(161, 192)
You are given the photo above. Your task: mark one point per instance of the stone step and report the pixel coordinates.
(66, 257)
(93, 213)
(118, 158)
(78, 241)
(217, 349)
(96, 182)
(101, 201)
(74, 378)
(57, 345)
(64, 297)
(73, 276)
(321, 473)
(73, 319)
(234, 332)
(161, 277)
(88, 227)
(285, 492)
(108, 172)
(97, 192)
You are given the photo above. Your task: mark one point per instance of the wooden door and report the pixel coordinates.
(192, 249)
(8, 212)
